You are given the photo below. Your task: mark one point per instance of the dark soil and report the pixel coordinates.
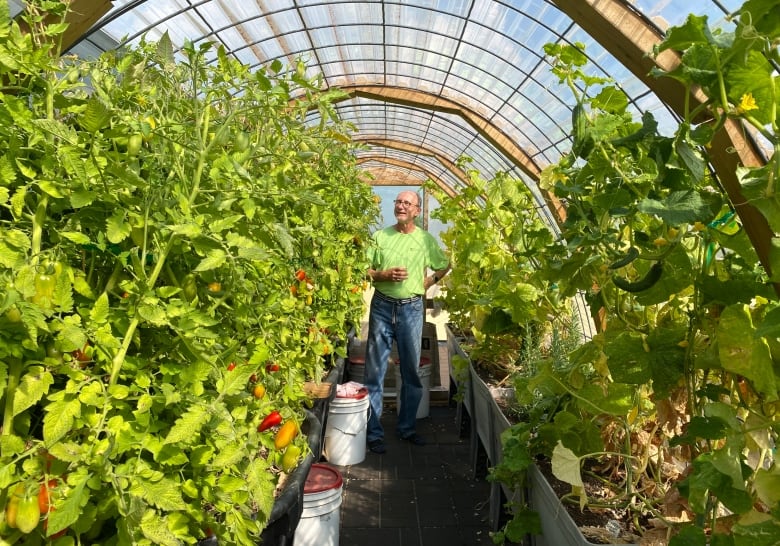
(593, 523)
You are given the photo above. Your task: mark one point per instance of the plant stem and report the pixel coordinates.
(39, 219)
(14, 372)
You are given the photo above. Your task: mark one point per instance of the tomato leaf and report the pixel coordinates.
(153, 313)
(59, 418)
(229, 454)
(163, 493)
(95, 116)
(70, 507)
(213, 260)
(117, 229)
(32, 386)
(100, 309)
(188, 426)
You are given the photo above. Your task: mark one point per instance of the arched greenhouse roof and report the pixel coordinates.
(431, 81)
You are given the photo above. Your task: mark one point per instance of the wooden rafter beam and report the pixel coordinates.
(416, 150)
(484, 127)
(630, 39)
(81, 15)
(394, 162)
(420, 99)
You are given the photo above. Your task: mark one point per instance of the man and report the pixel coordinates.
(399, 258)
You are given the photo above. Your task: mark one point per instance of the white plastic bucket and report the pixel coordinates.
(321, 515)
(345, 432)
(424, 372)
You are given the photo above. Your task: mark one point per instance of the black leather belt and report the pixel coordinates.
(397, 301)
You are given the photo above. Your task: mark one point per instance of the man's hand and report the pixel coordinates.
(397, 274)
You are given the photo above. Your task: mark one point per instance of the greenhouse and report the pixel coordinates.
(403, 272)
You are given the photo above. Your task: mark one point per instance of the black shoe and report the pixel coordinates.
(414, 439)
(377, 446)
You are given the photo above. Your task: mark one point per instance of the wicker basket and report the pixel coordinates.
(318, 390)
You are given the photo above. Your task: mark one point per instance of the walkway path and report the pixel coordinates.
(416, 496)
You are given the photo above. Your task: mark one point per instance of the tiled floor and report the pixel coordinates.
(416, 496)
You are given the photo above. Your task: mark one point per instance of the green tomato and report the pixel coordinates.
(53, 352)
(44, 290)
(73, 75)
(134, 143)
(137, 235)
(241, 142)
(189, 287)
(13, 315)
(28, 514)
(290, 458)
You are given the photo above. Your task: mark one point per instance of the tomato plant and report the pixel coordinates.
(136, 187)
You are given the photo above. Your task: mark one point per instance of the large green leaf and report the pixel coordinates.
(694, 30)
(756, 188)
(613, 399)
(755, 77)
(770, 325)
(767, 484)
(680, 207)
(628, 362)
(743, 353)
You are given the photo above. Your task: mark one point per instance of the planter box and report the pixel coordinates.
(487, 422)
(558, 529)
(460, 385)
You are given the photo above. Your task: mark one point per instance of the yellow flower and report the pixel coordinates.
(661, 241)
(746, 103)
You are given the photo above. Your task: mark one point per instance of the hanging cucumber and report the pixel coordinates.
(582, 140)
(631, 255)
(645, 283)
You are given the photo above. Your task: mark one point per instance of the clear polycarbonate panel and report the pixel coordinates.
(665, 13)
(484, 55)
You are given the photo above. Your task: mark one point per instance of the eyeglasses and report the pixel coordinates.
(406, 204)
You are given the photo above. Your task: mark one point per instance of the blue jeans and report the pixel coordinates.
(403, 323)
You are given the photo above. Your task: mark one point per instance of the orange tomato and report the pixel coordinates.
(259, 391)
(286, 433)
(44, 496)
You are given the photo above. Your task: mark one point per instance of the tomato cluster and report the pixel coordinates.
(27, 503)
